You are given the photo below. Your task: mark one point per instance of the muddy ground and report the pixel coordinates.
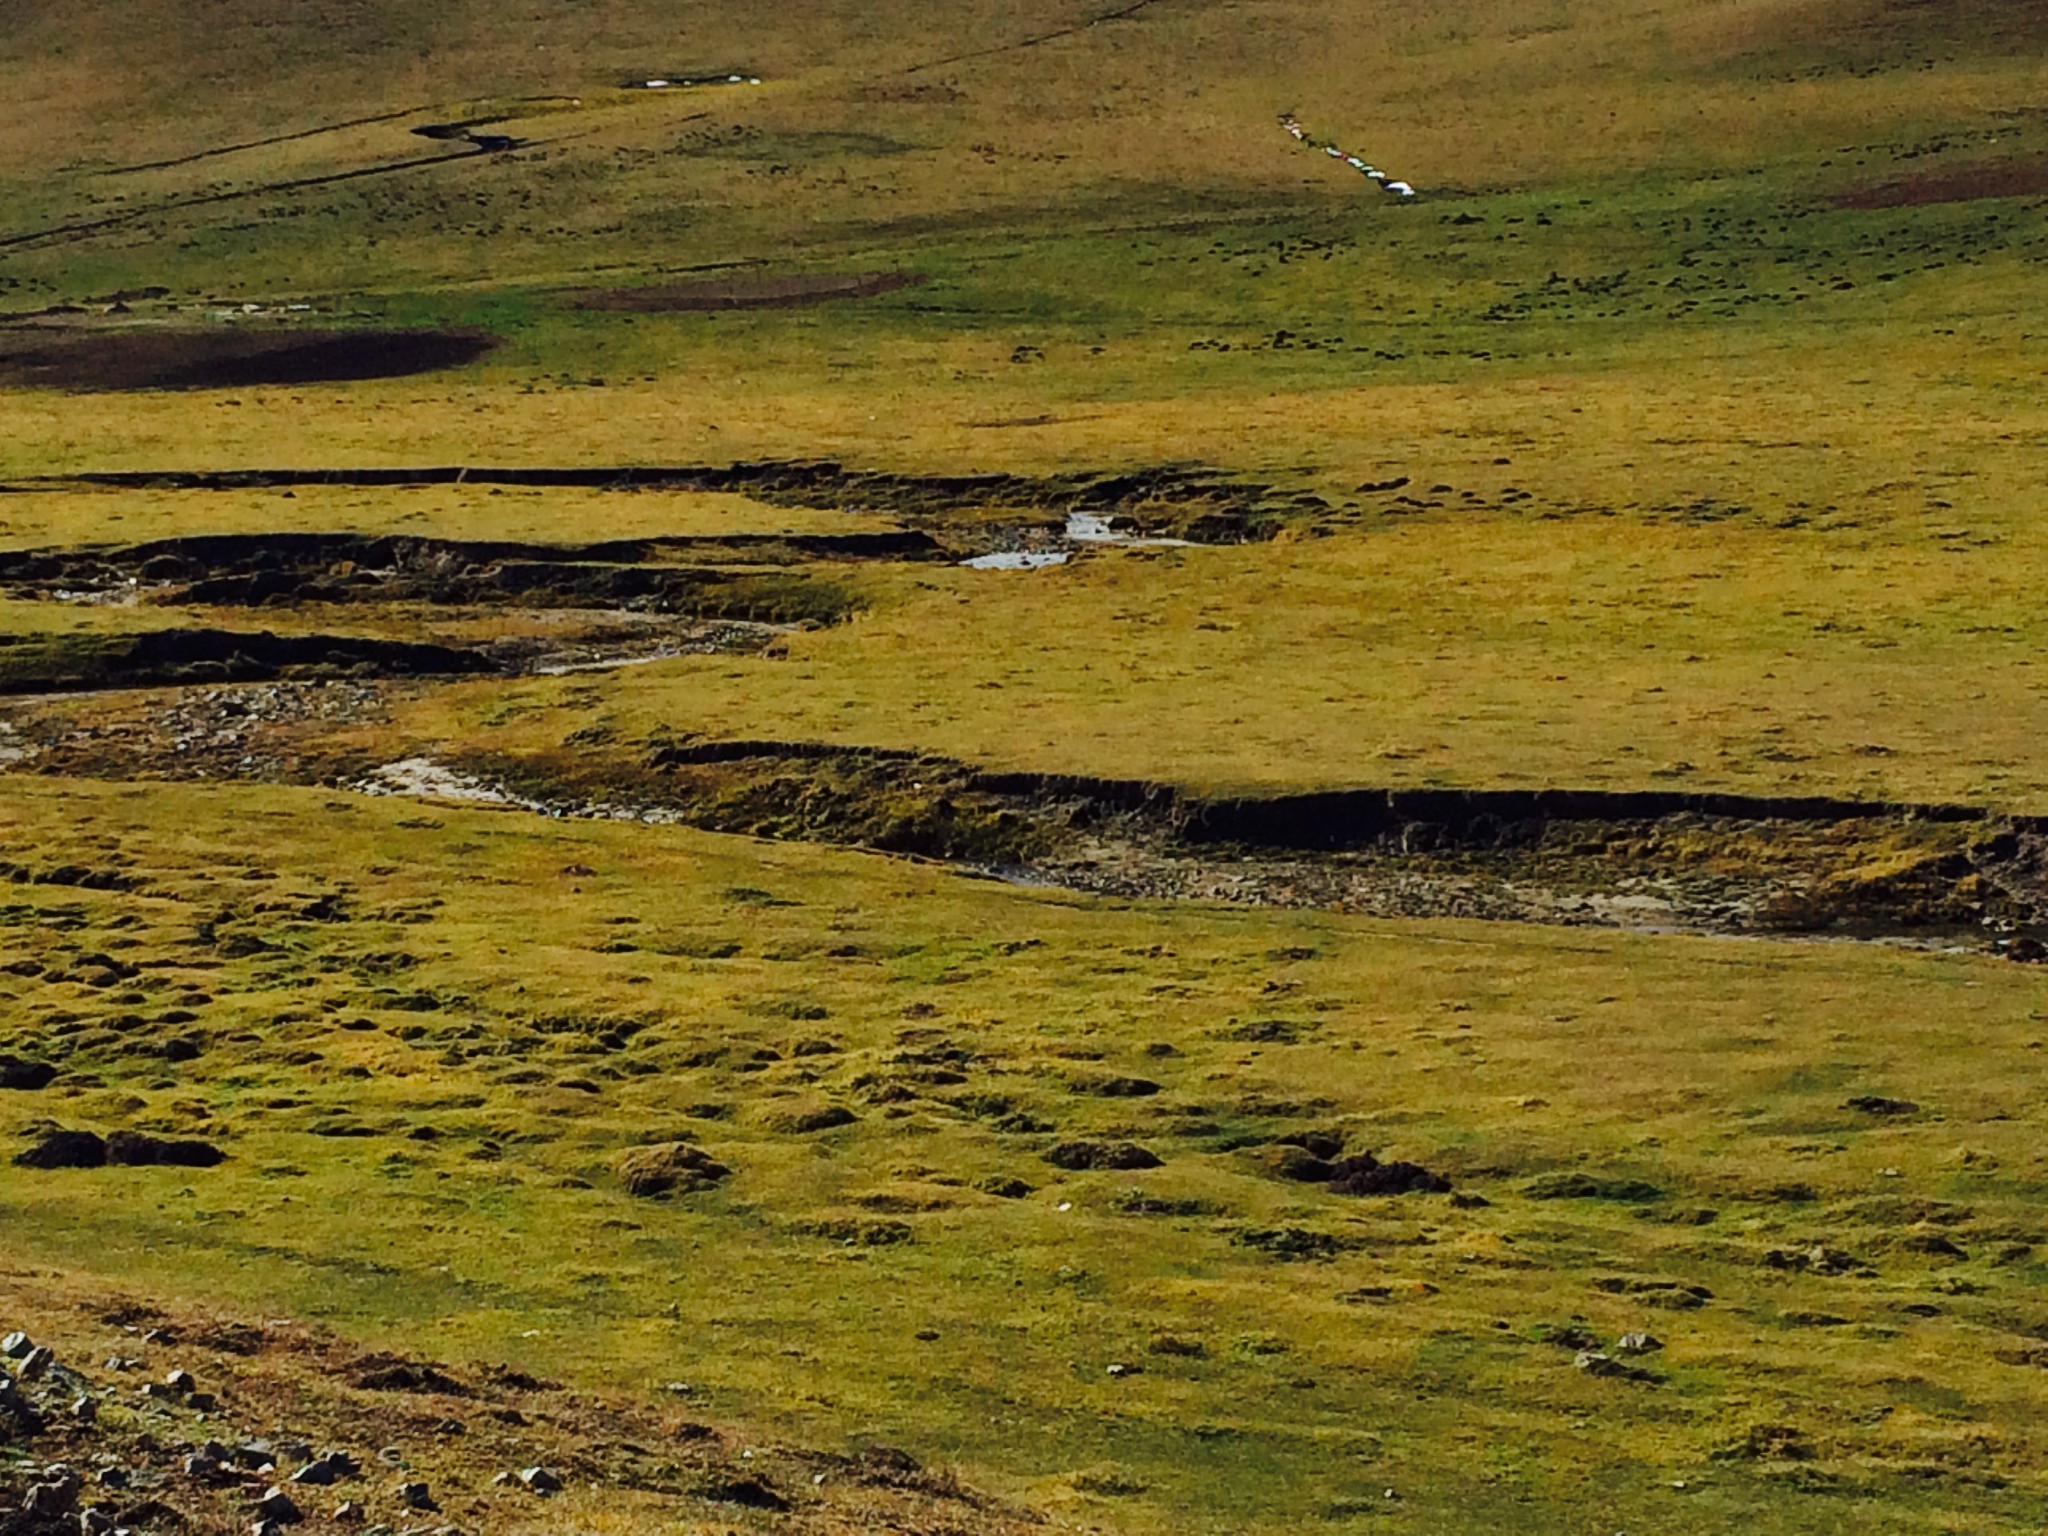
(1961, 184)
(223, 357)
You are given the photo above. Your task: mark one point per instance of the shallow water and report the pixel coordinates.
(1018, 560)
(1087, 528)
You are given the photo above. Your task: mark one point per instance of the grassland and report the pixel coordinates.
(425, 1086)
(1684, 434)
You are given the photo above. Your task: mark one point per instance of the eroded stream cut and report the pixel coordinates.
(1176, 500)
(1945, 876)
(273, 677)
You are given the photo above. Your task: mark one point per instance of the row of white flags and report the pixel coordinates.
(1370, 172)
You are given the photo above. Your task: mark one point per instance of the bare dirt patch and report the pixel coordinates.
(1961, 184)
(752, 291)
(234, 1440)
(218, 357)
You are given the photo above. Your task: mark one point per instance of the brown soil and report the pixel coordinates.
(1184, 501)
(461, 1430)
(1948, 876)
(759, 291)
(1963, 184)
(218, 357)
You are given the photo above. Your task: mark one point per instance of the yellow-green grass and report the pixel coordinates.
(656, 968)
(1176, 104)
(1779, 534)
(75, 517)
(1470, 650)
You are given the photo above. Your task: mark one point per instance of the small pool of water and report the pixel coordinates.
(1087, 528)
(1018, 560)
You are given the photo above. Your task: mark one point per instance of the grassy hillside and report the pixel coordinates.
(425, 1039)
(1683, 433)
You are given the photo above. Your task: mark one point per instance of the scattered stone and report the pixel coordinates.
(315, 1474)
(1638, 1344)
(1115, 1087)
(382, 1373)
(1814, 1320)
(1594, 1363)
(25, 1076)
(348, 1512)
(1873, 1104)
(1819, 1260)
(1367, 1175)
(1003, 1188)
(1770, 1442)
(1138, 1202)
(53, 1498)
(15, 1345)
(540, 1480)
(1290, 1243)
(36, 1363)
(1325, 1145)
(748, 1491)
(276, 1505)
(415, 1496)
(84, 1409)
(95, 1521)
(131, 1149)
(181, 1382)
(803, 1121)
(1672, 1295)
(1294, 1163)
(64, 1149)
(673, 1167)
(1123, 1156)
(254, 1455)
(1585, 1186)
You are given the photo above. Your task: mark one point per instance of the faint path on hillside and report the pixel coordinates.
(1033, 42)
(178, 205)
(281, 138)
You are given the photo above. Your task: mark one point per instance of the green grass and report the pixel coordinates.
(656, 979)
(1745, 492)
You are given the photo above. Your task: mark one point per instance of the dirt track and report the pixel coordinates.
(763, 291)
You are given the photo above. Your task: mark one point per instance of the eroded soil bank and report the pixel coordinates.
(1180, 501)
(1927, 875)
